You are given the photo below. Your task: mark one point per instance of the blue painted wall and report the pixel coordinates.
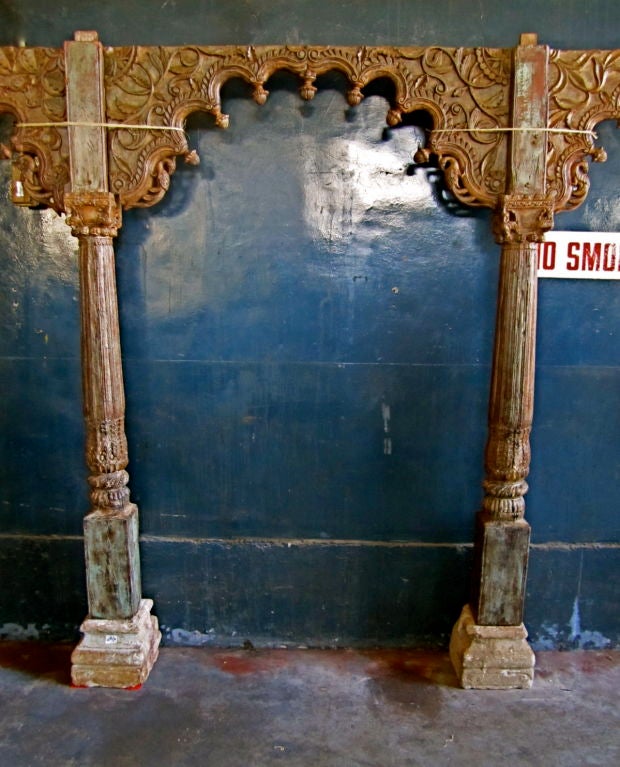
(307, 329)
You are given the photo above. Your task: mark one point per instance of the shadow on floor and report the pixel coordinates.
(37, 660)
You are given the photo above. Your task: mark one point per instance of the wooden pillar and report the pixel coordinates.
(121, 638)
(488, 646)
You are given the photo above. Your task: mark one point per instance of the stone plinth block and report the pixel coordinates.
(491, 657)
(116, 653)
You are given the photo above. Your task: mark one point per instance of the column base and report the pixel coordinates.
(116, 653)
(491, 657)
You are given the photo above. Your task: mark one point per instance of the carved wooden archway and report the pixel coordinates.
(99, 130)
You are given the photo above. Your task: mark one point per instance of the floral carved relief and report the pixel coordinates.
(93, 213)
(106, 456)
(584, 90)
(466, 92)
(472, 89)
(462, 89)
(32, 89)
(106, 449)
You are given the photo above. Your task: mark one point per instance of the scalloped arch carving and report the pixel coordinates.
(460, 88)
(466, 91)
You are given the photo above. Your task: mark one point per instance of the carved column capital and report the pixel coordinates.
(522, 218)
(93, 213)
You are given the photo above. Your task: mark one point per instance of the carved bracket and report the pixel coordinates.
(32, 89)
(522, 218)
(93, 213)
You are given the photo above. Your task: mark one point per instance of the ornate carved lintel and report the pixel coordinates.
(97, 214)
(465, 90)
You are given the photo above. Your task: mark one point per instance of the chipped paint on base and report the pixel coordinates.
(15, 632)
(552, 637)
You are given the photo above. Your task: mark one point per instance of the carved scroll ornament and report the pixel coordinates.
(466, 91)
(584, 90)
(32, 89)
(162, 86)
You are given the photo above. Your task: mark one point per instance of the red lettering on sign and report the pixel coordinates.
(573, 252)
(546, 255)
(609, 257)
(591, 260)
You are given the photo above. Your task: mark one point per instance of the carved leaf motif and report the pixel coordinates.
(188, 59)
(462, 88)
(584, 91)
(470, 96)
(495, 66)
(32, 89)
(138, 84)
(6, 57)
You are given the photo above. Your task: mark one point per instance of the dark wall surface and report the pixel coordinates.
(307, 324)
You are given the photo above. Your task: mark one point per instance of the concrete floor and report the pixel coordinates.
(247, 708)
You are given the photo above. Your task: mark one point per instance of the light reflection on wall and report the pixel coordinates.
(53, 257)
(59, 247)
(603, 214)
(281, 177)
(40, 265)
(346, 179)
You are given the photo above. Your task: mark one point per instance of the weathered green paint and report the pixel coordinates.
(500, 571)
(112, 563)
(530, 108)
(86, 104)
